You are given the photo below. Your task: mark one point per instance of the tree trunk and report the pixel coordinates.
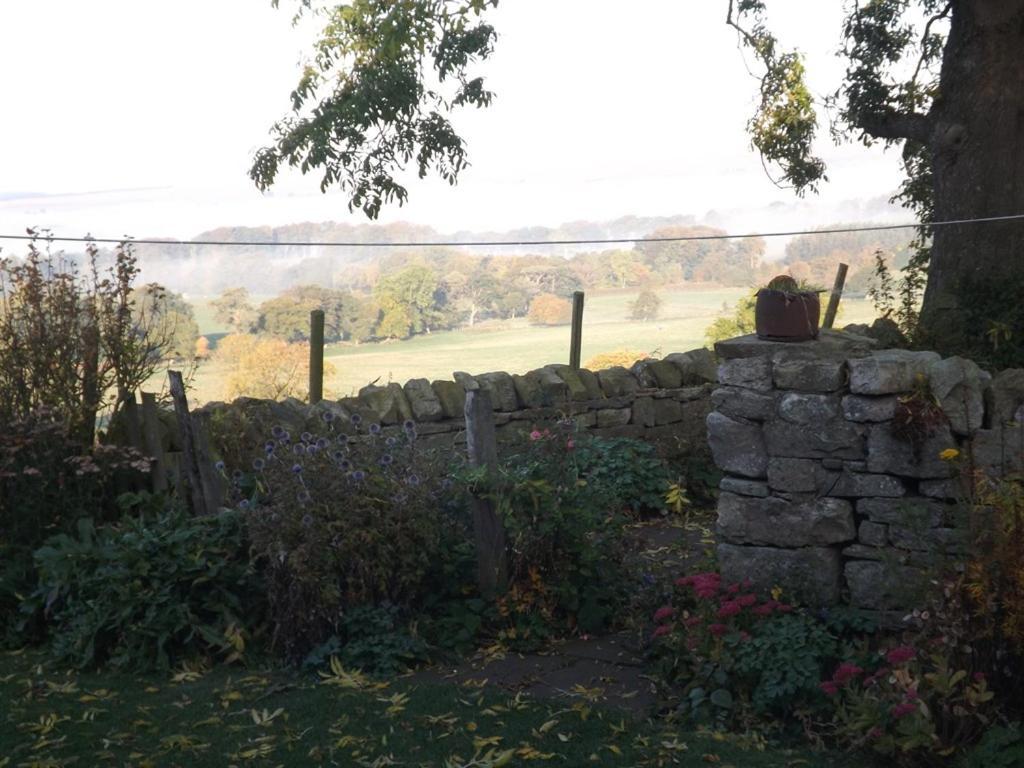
(976, 272)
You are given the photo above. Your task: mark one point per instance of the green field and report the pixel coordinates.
(516, 346)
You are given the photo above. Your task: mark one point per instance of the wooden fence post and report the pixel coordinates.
(576, 340)
(488, 528)
(190, 471)
(316, 356)
(837, 294)
(154, 447)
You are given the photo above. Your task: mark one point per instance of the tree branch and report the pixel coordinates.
(891, 124)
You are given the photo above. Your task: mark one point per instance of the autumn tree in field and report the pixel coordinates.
(548, 309)
(266, 368)
(646, 306)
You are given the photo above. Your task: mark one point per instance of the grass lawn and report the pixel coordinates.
(232, 716)
(516, 346)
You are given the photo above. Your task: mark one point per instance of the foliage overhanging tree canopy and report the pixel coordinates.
(942, 78)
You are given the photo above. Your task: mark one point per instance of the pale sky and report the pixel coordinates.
(141, 117)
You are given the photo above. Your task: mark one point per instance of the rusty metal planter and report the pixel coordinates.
(785, 316)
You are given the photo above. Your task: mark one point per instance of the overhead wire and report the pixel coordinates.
(504, 243)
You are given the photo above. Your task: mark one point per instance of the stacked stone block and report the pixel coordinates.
(824, 493)
(663, 401)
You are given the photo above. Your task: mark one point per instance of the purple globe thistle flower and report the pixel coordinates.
(356, 419)
(374, 429)
(297, 469)
(359, 475)
(322, 442)
(298, 449)
(278, 431)
(391, 442)
(341, 439)
(306, 437)
(386, 459)
(237, 475)
(327, 416)
(258, 464)
(446, 483)
(338, 456)
(409, 425)
(243, 504)
(307, 520)
(219, 466)
(412, 480)
(344, 465)
(269, 448)
(312, 449)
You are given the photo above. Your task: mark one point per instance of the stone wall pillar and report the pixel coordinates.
(826, 494)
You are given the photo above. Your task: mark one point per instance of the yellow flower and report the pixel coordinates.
(776, 592)
(949, 454)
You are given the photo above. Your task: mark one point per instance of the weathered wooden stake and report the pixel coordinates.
(209, 476)
(489, 531)
(316, 356)
(576, 340)
(189, 464)
(154, 446)
(837, 294)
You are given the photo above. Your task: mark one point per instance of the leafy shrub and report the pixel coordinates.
(731, 651)
(47, 481)
(548, 309)
(623, 472)
(1000, 747)
(144, 592)
(908, 705)
(373, 639)
(340, 521)
(617, 357)
(564, 542)
(75, 343)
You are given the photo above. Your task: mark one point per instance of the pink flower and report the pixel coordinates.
(684, 581)
(830, 688)
(765, 609)
(717, 629)
(845, 672)
(692, 621)
(570, 444)
(904, 709)
(875, 733)
(664, 612)
(729, 608)
(901, 654)
(662, 629)
(733, 589)
(784, 608)
(912, 694)
(745, 601)
(536, 435)
(747, 583)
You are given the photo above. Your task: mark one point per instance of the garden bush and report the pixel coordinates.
(148, 590)
(621, 472)
(564, 535)
(47, 481)
(734, 654)
(342, 520)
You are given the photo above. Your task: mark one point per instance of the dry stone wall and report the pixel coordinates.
(665, 402)
(834, 484)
